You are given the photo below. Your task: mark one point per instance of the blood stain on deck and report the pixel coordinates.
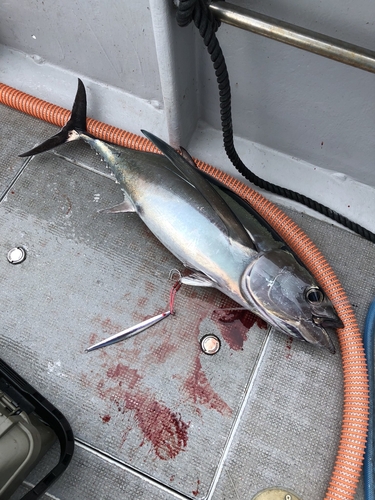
(122, 373)
(234, 325)
(161, 353)
(288, 346)
(142, 301)
(196, 492)
(199, 389)
(107, 325)
(164, 429)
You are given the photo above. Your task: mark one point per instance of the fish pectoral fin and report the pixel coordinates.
(124, 207)
(198, 279)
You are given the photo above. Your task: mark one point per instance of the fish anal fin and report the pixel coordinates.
(125, 206)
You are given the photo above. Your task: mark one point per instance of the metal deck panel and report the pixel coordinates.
(95, 476)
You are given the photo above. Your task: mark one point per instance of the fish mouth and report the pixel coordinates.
(327, 326)
(314, 334)
(328, 322)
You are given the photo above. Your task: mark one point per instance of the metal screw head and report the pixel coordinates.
(16, 255)
(275, 494)
(210, 344)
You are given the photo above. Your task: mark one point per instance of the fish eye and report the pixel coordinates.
(314, 295)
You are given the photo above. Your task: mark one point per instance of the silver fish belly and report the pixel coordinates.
(180, 217)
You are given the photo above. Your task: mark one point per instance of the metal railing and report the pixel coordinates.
(296, 36)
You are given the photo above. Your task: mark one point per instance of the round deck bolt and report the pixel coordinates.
(210, 344)
(16, 255)
(275, 494)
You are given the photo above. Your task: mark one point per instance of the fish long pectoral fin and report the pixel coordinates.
(225, 216)
(263, 236)
(124, 207)
(198, 279)
(70, 131)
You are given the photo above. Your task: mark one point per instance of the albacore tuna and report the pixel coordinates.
(222, 240)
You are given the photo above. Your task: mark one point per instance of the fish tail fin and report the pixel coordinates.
(71, 131)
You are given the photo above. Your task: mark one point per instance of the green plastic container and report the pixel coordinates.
(29, 425)
(24, 439)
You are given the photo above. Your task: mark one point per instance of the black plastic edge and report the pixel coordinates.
(53, 417)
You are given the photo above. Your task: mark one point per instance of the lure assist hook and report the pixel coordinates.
(140, 327)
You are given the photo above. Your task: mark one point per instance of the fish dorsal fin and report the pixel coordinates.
(233, 227)
(185, 154)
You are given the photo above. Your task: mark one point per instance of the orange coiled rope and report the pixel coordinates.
(348, 465)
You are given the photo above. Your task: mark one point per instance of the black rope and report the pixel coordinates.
(204, 20)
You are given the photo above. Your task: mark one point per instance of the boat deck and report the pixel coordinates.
(153, 416)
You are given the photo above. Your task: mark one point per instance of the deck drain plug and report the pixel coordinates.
(16, 255)
(275, 494)
(210, 344)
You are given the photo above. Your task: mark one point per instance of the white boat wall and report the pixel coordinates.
(300, 120)
(154, 417)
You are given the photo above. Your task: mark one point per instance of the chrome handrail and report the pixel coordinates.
(296, 36)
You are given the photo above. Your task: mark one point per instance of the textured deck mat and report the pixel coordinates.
(155, 402)
(92, 476)
(154, 416)
(12, 122)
